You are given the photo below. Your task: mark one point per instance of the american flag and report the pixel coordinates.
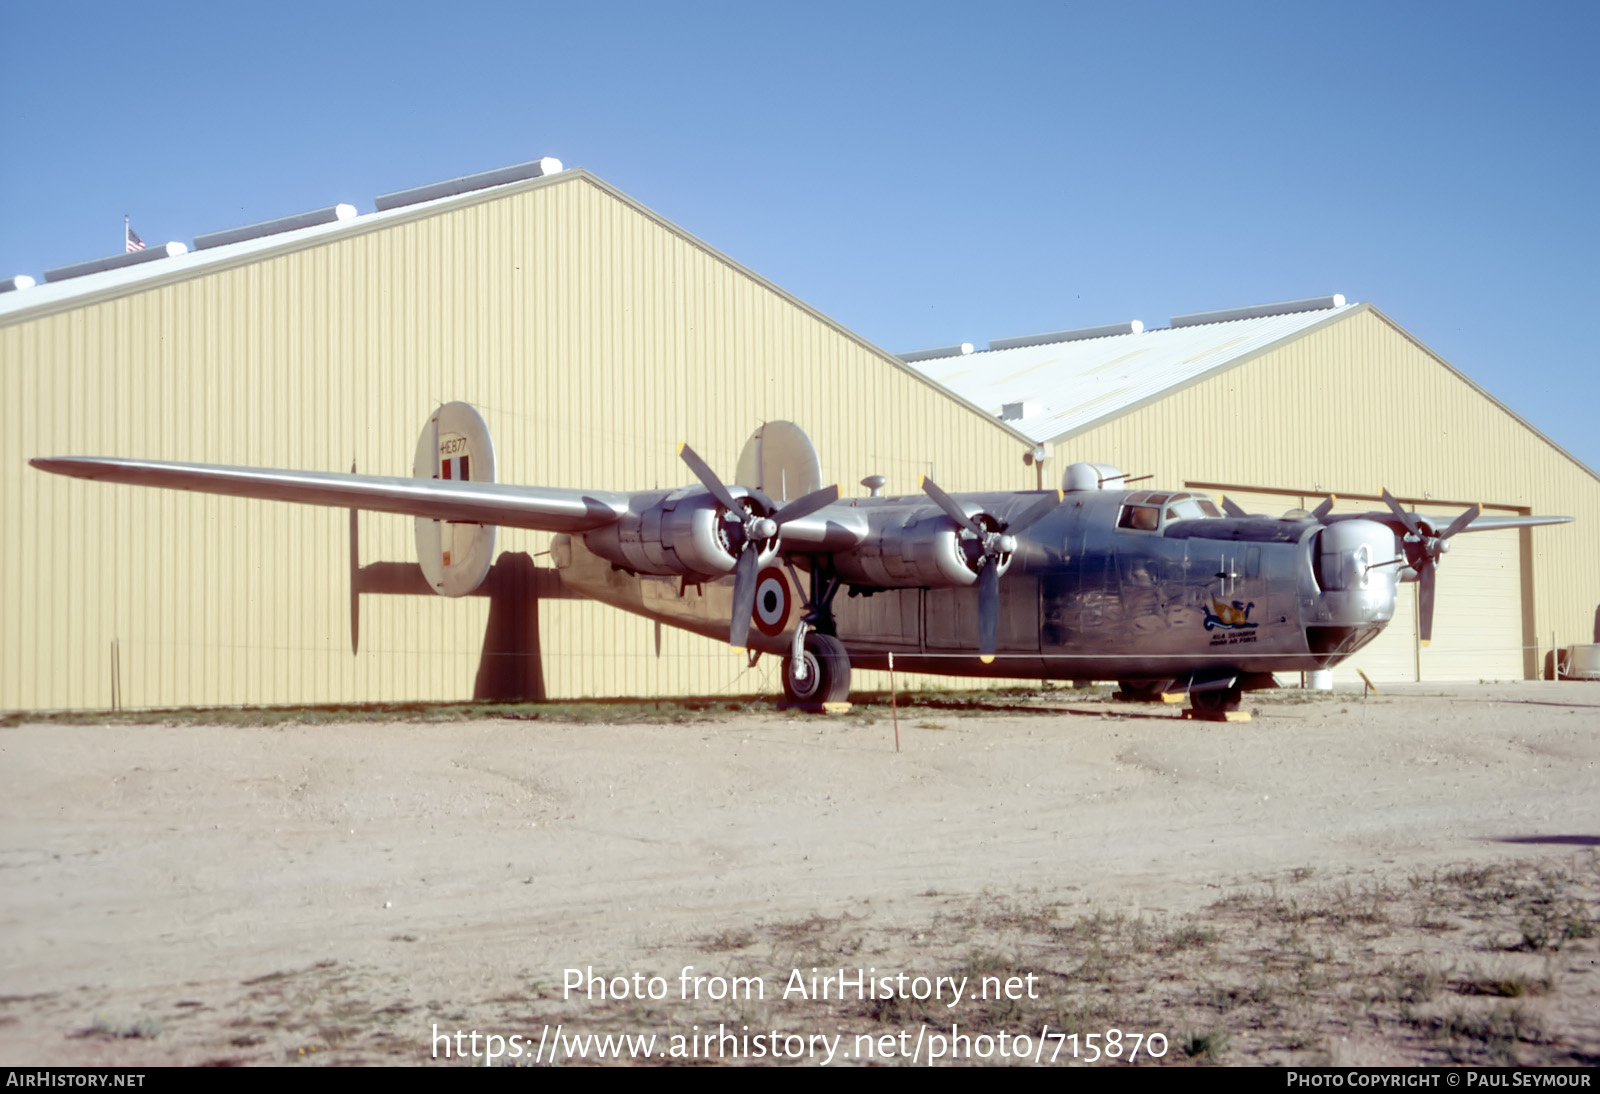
(134, 242)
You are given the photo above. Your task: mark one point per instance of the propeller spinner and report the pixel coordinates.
(995, 540)
(758, 525)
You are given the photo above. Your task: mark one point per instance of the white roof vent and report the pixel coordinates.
(1287, 307)
(934, 354)
(12, 284)
(531, 170)
(1016, 412)
(1078, 335)
(116, 262)
(274, 227)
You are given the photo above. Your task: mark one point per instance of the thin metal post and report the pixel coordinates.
(894, 708)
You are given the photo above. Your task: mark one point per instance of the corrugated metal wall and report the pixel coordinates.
(1356, 406)
(592, 336)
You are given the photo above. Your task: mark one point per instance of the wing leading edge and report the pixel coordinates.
(545, 509)
(1481, 523)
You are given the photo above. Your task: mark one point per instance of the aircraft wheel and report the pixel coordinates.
(1217, 699)
(1141, 691)
(827, 678)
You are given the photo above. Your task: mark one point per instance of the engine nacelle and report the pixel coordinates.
(1355, 570)
(1348, 550)
(679, 533)
(914, 548)
(455, 445)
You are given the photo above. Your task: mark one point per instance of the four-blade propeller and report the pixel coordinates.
(992, 541)
(1422, 543)
(753, 525)
(1423, 546)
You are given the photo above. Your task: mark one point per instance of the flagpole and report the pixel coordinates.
(126, 225)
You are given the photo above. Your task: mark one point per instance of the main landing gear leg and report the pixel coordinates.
(817, 670)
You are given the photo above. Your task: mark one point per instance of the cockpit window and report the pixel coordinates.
(1191, 507)
(1142, 518)
(1143, 511)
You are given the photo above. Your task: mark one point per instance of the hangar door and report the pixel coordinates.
(1477, 615)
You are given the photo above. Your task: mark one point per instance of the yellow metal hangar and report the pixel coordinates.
(1280, 405)
(594, 336)
(591, 334)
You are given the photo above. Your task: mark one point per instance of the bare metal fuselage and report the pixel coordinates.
(1190, 600)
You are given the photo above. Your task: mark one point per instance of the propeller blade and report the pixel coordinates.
(1462, 521)
(948, 504)
(1035, 513)
(1325, 508)
(708, 478)
(1232, 508)
(744, 598)
(1430, 569)
(804, 507)
(988, 609)
(1406, 518)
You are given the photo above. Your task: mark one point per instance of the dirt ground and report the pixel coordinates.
(1410, 878)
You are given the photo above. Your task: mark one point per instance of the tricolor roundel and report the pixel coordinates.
(772, 602)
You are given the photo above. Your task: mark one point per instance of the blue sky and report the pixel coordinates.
(925, 174)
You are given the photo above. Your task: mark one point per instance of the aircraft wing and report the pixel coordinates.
(1490, 524)
(1481, 523)
(544, 509)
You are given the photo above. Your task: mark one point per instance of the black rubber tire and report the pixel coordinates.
(1142, 691)
(827, 672)
(1217, 699)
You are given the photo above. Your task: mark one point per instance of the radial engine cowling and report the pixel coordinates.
(1355, 570)
(914, 549)
(682, 533)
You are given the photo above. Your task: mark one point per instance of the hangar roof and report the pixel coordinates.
(175, 262)
(1052, 389)
(124, 275)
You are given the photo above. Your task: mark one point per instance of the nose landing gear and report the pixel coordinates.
(1217, 704)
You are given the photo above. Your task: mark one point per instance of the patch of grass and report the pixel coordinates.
(817, 941)
(1187, 937)
(725, 940)
(1208, 1044)
(580, 711)
(1550, 923)
(1496, 1032)
(668, 711)
(1502, 983)
(1408, 983)
(142, 1028)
